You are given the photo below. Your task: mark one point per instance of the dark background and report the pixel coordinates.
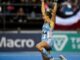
(26, 15)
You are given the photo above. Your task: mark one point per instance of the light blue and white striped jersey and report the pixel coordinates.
(46, 32)
(46, 28)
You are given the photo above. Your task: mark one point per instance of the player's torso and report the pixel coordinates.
(45, 31)
(46, 27)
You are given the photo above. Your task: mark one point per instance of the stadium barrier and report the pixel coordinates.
(21, 46)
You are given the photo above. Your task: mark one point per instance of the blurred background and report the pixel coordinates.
(20, 29)
(26, 15)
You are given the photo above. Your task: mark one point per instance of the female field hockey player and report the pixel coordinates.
(47, 30)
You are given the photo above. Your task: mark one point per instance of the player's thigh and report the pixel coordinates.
(43, 44)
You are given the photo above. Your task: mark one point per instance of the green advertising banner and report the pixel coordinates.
(66, 42)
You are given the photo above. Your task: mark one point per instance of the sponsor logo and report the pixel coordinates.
(59, 42)
(18, 43)
(75, 42)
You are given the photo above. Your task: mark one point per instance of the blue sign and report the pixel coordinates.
(16, 42)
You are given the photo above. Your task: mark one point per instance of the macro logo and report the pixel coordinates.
(18, 43)
(59, 42)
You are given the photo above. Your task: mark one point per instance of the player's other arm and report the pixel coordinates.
(45, 16)
(53, 18)
(54, 11)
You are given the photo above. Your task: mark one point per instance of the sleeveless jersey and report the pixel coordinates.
(45, 31)
(45, 27)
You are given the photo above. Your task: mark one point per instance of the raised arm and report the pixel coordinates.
(53, 18)
(45, 16)
(54, 11)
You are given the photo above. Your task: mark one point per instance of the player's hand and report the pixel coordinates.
(56, 1)
(42, 0)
